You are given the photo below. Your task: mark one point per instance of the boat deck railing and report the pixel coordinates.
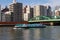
(30, 25)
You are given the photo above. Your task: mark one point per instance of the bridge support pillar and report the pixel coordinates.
(51, 23)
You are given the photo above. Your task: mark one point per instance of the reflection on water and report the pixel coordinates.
(48, 33)
(7, 33)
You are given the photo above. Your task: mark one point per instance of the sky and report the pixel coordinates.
(52, 3)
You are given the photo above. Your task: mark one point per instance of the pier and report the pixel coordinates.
(12, 23)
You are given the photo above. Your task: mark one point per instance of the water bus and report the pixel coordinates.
(27, 26)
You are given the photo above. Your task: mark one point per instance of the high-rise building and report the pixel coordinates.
(57, 12)
(5, 9)
(0, 14)
(3, 17)
(28, 13)
(7, 16)
(16, 9)
(49, 12)
(40, 10)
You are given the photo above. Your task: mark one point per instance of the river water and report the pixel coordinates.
(48, 33)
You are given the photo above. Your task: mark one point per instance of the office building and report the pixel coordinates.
(40, 10)
(16, 9)
(6, 17)
(0, 14)
(57, 12)
(3, 11)
(28, 13)
(49, 12)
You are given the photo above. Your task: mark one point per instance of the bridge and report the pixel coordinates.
(46, 20)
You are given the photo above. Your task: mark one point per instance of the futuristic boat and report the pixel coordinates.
(27, 26)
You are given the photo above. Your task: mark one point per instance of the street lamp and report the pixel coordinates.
(55, 17)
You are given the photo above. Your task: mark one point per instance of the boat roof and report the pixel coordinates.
(29, 25)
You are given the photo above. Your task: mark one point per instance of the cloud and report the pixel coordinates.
(53, 3)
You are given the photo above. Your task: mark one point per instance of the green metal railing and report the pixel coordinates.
(45, 18)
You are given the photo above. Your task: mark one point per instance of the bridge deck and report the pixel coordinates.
(50, 20)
